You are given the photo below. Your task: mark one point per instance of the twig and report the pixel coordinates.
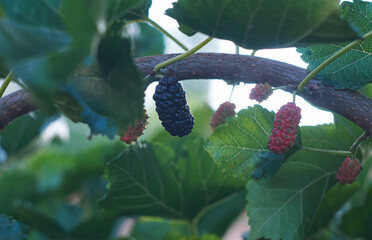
(6, 82)
(332, 58)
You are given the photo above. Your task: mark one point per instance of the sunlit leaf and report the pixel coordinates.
(236, 146)
(352, 70)
(285, 206)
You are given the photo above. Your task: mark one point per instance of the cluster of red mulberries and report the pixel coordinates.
(284, 132)
(225, 110)
(348, 171)
(261, 92)
(133, 133)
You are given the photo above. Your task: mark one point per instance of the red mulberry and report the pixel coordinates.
(172, 108)
(225, 110)
(284, 132)
(348, 171)
(133, 133)
(261, 92)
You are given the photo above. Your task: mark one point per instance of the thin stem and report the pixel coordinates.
(332, 58)
(294, 96)
(194, 229)
(167, 34)
(334, 152)
(254, 52)
(160, 29)
(232, 90)
(358, 141)
(237, 49)
(182, 56)
(280, 88)
(6, 82)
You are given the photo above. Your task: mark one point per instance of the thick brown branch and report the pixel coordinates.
(240, 68)
(13, 106)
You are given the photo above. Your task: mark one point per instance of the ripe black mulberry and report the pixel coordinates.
(172, 108)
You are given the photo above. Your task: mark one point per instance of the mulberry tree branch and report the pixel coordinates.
(236, 68)
(15, 105)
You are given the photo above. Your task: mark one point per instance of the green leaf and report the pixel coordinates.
(148, 42)
(143, 176)
(110, 105)
(58, 168)
(356, 222)
(159, 229)
(286, 205)
(11, 229)
(20, 133)
(140, 11)
(37, 220)
(51, 55)
(351, 70)
(367, 90)
(204, 237)
(98, 227)
(333, 200)
(236, 146)
(64, 165)
(39, 13)
(118, 68)
(218, 217)
(12, 186)
(4, 70)
(264, 24)
(21, 43)
(351, 128)
(270, 162)
(357, 13)
(127, 9)
(112, 101)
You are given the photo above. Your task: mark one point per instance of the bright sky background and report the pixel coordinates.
(218, 89)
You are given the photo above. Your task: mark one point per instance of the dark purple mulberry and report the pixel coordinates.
(172, 108)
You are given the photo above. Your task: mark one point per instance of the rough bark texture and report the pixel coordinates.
(15, 105)
(236, 68)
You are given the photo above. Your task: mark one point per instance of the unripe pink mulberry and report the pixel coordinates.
(284, 132)
(133, 133)
(261, 92)
(348, 171)
(225, 110)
